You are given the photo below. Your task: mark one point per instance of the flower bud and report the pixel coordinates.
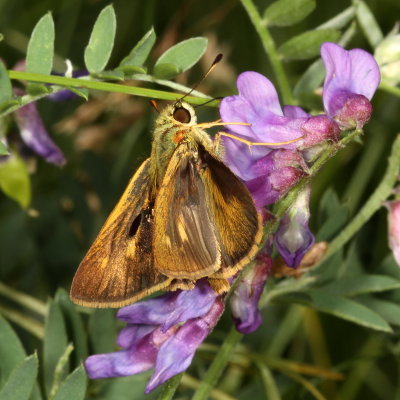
(293, 238)
(394, 228)
(387, 55)
(245, 298)
(355, 112)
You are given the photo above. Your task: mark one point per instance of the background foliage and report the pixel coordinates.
(349, 352)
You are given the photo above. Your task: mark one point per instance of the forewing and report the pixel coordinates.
(185, 242)
(119, 266)
(234, 214)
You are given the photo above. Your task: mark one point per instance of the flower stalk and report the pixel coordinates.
(218, 365)
(96, 85)
(270, 48)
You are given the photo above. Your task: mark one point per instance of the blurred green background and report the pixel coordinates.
(105, 139)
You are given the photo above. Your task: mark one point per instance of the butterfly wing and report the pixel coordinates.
(185, 241)
(119, 266)
(235, 216)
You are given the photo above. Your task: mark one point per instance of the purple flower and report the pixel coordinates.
(32, 129)
(293, 238)
(245, 297)
(352, 78)
(275, 174)
(35, 136)
(394, 228)
(266, 174)
(257, 103)
(316, 129)
(162, 333)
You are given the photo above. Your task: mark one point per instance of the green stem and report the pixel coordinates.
(270, 49)
(355, 378)
(59, 371)
(170, 387)
(104, 86)
(25, 322)
(382, 192)
(390, 89)
(173, 85)
(23, 299)
(217, 366)
(370, 158)
(283, 205)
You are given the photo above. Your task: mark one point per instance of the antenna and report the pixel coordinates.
(208, 101)
(214, 63)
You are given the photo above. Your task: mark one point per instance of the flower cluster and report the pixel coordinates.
(163, 333)
(270, 171)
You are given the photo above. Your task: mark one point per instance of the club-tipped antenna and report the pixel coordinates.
(212, 66)
(208, 101)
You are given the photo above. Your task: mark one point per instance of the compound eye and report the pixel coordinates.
(182, 115)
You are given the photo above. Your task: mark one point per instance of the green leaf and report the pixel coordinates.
(102, 333)
(166, 71)
(74, 323)
(5, 84)
(3, 149)
(270, 385)
(15, 181)
(37, 89)
(101, 42)
(361, 284)
(315, 73)
(332, 215)
(121, 388)
(113, 75)
(340, 20)
(133, 69)
(307, 44)
(311, 79)
(368, 24)
(39, 56)
(11, 351)
(20, 383)
(81, 92)
(74, 386)
(55, 342)
(5, 105)
(183, 56)
(288, 12)
(388, 310)
(139, 53)
(348, 310)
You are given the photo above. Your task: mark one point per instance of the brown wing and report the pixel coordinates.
(185, 241)
(235, 216)
(119, 266)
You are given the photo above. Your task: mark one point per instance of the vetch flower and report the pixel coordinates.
(32, 129)
(257, 103)
(244, 299)
(261, 167)
(316, 129)
(352, 78)
(162, 333)
(293, 238)
(394, 228)
(274, 174)
(35, 135)
(387, 55)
